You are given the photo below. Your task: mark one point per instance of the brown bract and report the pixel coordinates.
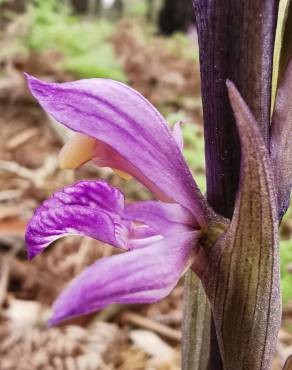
(281, 141)
(242, 282)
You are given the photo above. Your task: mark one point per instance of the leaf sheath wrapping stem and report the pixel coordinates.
(281, 141)
(196, 326)
(243, 280)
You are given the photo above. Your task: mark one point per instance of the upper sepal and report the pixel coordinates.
(129, 131)
(243, 276)
(281, 142)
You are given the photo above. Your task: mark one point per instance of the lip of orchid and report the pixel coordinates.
(79, 150)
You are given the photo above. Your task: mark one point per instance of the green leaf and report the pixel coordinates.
(243, 280)
(286, 276)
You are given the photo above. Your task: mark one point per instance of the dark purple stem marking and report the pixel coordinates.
(236, 41)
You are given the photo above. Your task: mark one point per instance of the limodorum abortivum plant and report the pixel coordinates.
(229, 238)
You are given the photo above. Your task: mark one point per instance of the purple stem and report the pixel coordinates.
(236, 40)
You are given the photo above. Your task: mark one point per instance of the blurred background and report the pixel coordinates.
(150, 45)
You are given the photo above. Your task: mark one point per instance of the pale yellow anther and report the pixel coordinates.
(77, 151)
(122, 174)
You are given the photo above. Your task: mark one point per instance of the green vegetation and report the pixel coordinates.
(181, 45)
(134, 8)
(286, 270)
(193, 151)
(83, 44)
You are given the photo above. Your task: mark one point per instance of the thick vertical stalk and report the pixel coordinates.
(236, 41)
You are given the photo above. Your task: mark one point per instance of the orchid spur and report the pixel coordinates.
(120, 129)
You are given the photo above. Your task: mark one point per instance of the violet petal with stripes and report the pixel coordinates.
(91, 208)
(161, 238)
(143, 275)
(131, 132)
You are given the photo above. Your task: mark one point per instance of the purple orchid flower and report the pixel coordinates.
(120, 129)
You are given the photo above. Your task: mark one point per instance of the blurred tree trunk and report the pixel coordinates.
(68, 3)
(93, 7)
(153, 10)
(90, 7)
(80, 6)
(17, 6)
(117, 9)
(150, 5)
(176, 16)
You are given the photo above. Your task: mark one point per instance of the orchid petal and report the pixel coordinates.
(91, 208)
(142, 236)
(163, 218)
(140, 276)
(178, 135)
(127, 124)
(144, 231)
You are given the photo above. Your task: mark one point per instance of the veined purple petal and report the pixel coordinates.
(178, 135)
(143, 231)
(124, 120)
(91, 208)
(164, 218)
(95, 194)
(141, 236)
(140, 276)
